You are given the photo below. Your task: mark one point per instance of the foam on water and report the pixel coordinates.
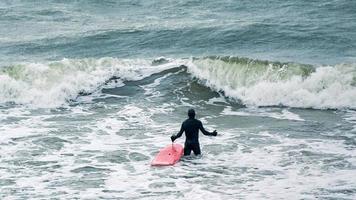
(87, 127)
(21, 125)
(283, 169)
(261, 83)
(253, 82)
(111, 160)
(99, 150)
(53, 84)
(285, 114)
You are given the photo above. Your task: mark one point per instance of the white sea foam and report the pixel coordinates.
(27, 126)
(266, 84)
(292, 177)
(273, 167)
(284, 114)
(52, 84)
(255, 83)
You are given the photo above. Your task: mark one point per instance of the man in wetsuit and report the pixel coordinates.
(191, 127)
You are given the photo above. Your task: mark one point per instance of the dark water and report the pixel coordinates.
(91, 90)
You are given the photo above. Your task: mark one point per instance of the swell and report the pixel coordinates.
(297, 42)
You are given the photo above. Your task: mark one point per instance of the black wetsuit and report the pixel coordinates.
(191, 128)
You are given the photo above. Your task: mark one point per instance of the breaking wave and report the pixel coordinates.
(252, 82)
(263, 83)
(53, 84)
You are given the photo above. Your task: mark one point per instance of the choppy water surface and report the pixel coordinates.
(91, 90)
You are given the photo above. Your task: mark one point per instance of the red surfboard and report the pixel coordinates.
(168, 155)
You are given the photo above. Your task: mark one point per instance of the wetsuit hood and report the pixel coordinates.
(191, 113)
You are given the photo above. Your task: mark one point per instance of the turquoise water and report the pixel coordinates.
(91, 90)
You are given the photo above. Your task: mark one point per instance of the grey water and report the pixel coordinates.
(91, 90)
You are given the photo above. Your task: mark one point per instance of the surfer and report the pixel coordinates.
(191, 127)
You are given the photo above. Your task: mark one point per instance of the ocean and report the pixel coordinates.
(90, 90)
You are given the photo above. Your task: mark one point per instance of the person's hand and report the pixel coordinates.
(215, 133)
(173, 137)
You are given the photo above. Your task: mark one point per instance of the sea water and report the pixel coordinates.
(91, 90)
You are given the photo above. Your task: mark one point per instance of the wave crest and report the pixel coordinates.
(263, 83)
(52, 84)
(253, 82)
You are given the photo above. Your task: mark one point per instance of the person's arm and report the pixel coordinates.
(205, 132)
(174, 137)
